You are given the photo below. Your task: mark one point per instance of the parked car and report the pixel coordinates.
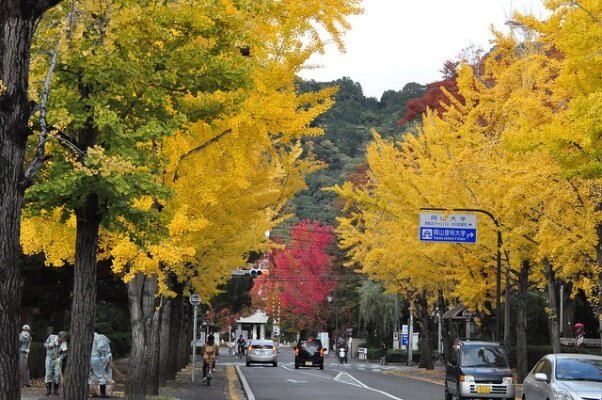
(309, 353)
(565, 377)
(478, 370)
(262, 352)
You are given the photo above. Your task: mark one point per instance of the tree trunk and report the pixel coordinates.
(445, 345)
(568, 311)
(185, 333)
(141, 296)
(154, 351)
(165, 348)
(174, 360)
(83, 314)
(425, 324)
(507, 310)
(521, 322)
(552, 305)
(18, 19)
(599, 265)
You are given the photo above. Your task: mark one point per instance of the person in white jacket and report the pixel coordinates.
(101, 358)
(56, 352)
(24, 345)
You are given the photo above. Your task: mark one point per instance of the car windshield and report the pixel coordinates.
(582, 369)
(262, 345)
(484, 356)
(310, 346)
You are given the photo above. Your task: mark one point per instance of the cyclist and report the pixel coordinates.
(210, 351)
(241, 346)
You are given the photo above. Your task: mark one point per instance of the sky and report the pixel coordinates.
(395, 42)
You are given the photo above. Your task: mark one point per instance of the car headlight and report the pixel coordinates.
(507, 380)
(561, 394)
(467, 378)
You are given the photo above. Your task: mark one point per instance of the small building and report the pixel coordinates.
(252, 327)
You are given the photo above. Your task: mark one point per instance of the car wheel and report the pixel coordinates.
(448, 395)
(248, 364)
(296, 366)
(275, 364)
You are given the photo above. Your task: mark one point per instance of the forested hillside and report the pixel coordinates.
(347, 131)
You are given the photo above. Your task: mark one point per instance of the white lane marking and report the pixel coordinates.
(341, 378)
(295, 381)
(356, 382)
(297, 371)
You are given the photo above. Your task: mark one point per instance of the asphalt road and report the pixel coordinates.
(354, 381)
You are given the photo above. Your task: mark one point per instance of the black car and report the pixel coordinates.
(478, 369)
(309, 353)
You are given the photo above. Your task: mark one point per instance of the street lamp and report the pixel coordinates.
(330, 299)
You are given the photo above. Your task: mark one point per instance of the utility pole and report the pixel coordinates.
(195, 300)
(410, 336)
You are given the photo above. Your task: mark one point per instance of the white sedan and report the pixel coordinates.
(564, 377)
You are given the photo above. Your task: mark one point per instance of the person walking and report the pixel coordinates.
(100, 362)
(210, 351)
(24, 346)
(56, 352)
(383, 354)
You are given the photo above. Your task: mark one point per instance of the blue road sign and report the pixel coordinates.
(448, 228)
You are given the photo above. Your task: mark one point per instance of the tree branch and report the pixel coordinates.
(198, 149)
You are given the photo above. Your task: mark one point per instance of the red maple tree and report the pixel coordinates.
(435, 97)
(300, 277)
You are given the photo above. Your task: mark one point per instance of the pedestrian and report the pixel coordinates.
(101, 373)
(56, 352)
(346, 347)
(210, 351)
(383, 354)
(24, 346)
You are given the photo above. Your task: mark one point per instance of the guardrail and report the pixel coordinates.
(586, 342)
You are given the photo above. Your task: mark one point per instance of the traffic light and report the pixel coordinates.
(259, 272)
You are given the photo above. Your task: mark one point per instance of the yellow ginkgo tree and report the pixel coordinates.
(480, 155)
(165, 134)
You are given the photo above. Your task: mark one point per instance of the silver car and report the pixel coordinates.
(564, 377)
(262, 352)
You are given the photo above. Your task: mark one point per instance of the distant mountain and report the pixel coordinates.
(347, 132)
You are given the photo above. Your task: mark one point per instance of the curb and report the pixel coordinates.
(244, 383)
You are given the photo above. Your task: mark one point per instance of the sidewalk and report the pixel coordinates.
(225, 385)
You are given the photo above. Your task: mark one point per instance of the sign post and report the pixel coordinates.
(498, 256)
(195, 300)
(448, 228)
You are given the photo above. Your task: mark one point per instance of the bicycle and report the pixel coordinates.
(209, 373)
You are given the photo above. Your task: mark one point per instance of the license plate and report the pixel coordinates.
(484, 389)
(309, 363)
